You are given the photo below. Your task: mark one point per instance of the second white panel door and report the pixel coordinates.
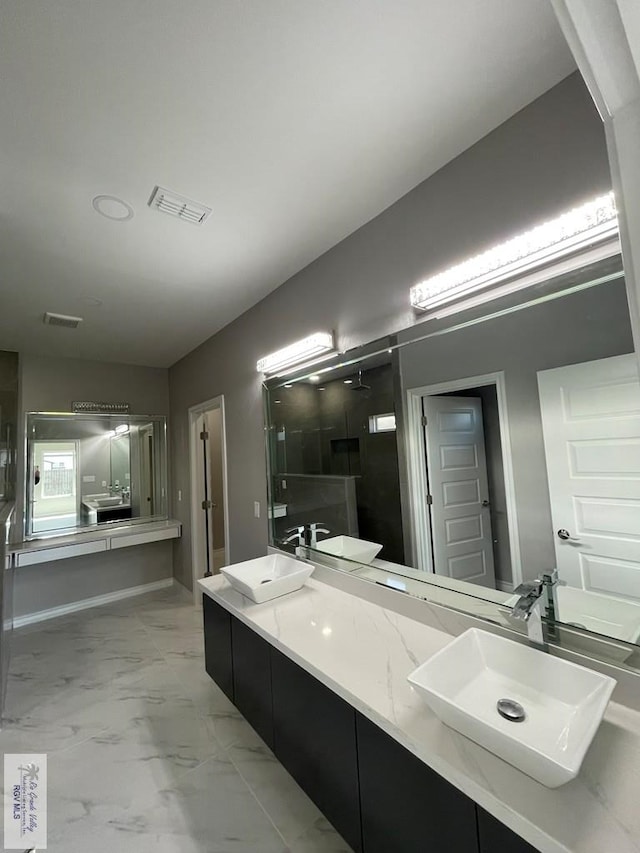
(458, 484)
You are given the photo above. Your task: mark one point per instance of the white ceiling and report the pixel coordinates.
(297, 121)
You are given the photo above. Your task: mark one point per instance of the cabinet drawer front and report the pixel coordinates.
(406, 806)
(61, 552)
(217, 645)
(252, 679)
(495, 837)
(314, 738)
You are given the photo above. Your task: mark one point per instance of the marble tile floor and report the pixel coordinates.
(145, 753)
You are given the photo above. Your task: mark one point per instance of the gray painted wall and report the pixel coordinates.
(8, 423)
(584, 326)
(547, 158)
(51, 384)
(48, 585)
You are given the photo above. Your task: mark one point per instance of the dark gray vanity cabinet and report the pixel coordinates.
(406, 806)
(218, 660)
(379, 796)
(495, 837)
(252, 679)
(314, 735)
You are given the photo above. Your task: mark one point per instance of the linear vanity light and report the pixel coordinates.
(122, 428)
(313, 348)
(591, 224)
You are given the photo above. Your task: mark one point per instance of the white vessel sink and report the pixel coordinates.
(267, 577)
(350, 548)
(563, 703)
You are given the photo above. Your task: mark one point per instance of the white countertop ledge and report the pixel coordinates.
(364, 652)
(113, 530)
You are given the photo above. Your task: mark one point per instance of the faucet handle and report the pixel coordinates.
(551, 577)
(299, 528)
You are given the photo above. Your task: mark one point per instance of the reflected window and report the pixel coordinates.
(382, 423)
(58, 475)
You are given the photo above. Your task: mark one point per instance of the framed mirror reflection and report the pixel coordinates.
(85, 471)
(477, 451)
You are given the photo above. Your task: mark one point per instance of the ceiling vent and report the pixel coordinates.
(178, 205)
(51, 319)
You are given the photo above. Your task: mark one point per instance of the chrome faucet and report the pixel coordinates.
(297, 535)
(316, 528)
(537, 600)
(305, 534)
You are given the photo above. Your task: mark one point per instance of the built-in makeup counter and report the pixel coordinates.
(363, 652)
(46, 550)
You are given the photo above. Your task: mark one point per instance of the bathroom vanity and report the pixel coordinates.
(321, 675)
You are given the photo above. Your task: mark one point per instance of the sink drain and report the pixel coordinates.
(511, 710)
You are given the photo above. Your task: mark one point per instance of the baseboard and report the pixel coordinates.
(86, 603)
(504, 586)
(182, 590)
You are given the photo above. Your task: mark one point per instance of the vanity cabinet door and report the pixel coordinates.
(252, 679)
(406, 806)
(217, 645)
(495, 837)
(314, 737)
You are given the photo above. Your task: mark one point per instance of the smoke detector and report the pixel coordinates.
(185, 208)
(66, 320)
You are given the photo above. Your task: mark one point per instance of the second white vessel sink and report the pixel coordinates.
(267, 577)
(536, 711)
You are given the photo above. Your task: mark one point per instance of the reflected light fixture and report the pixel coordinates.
(314, 348)
(121, 429)
(594, 224)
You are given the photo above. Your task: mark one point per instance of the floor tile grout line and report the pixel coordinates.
(259, 802)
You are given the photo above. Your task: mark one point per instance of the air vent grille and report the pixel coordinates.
(66, 320)
(178, 205)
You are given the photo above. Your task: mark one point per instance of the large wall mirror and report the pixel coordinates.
(477, 450)
(85, 471)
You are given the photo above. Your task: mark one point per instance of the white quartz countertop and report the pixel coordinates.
(364, 653)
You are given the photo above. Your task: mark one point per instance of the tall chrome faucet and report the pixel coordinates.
(305, 534)
(538, 599)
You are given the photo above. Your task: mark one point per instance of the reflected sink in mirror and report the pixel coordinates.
(108, 501)
(535, 711)
(350, 548)
(267, 577)
(598, 614)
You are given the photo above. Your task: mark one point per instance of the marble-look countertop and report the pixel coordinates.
(364, 653)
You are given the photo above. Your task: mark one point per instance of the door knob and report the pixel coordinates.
(566, 536)
(486, 503)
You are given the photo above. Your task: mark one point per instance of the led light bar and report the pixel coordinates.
(592, 223)
(315, 346)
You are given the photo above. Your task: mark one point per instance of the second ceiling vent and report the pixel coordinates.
(169, 202)
(66, 320)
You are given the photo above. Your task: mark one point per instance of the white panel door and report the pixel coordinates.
(591, 425)
(457, 468)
